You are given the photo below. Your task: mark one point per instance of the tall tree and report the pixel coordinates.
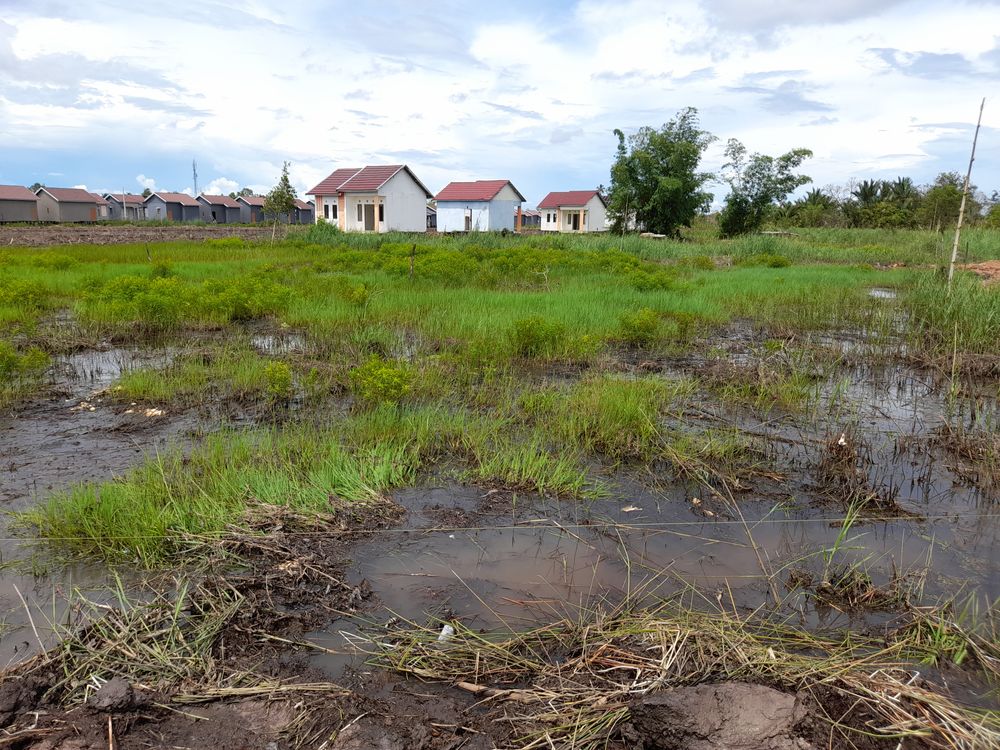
(281, 199)
(757, 182)
(655, 182)
(943, 199)
(34, 187)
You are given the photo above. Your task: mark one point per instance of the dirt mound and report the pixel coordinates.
(84, 234)
(988, 271)
(724, 716)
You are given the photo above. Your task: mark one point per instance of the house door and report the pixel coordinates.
(576, 222)
(369, 217)
(468, 220)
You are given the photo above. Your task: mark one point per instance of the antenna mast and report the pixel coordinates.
(194, 171)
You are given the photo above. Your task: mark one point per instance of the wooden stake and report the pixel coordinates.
(965, 193)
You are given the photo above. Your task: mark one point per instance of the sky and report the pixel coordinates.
(123, 95)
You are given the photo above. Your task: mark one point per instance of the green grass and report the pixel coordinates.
(448, 367)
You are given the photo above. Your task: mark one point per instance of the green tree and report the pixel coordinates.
(146, 192)
(242, 192)
(655, 182)
(281, 199)
(35, 186)
(942, 200)
(757, 182)
(992, 218)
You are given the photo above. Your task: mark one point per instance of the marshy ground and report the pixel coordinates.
(500, 491)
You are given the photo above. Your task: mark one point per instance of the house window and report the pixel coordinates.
(361, 212)
(381, 212)
(326, 211)
(333, 210)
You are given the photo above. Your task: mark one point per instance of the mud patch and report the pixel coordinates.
(724, 716)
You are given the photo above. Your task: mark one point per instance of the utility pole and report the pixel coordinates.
(965, 194)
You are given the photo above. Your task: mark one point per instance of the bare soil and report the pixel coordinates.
(89, 234)
(988, 271)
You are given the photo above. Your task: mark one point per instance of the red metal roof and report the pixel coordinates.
(16, 193)
(571, 198)
(219, 200)
(370, 179)
(183, 198)
(331, 185)
(366, 180)
(252, 200)
(69, 195)
(100, 201)
(129, 198)
(480, 190)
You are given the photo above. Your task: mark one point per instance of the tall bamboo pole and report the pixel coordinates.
(965, 194)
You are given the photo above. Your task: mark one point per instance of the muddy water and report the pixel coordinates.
(538, 560)
(493, 560)
(74, 434)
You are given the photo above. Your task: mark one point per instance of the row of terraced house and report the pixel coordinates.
(376, 198)
(75, 205)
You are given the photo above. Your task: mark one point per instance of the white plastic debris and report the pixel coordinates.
(630, 509)
(843, 439)
(447, 633)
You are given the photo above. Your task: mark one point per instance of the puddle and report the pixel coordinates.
(74, 436)
(543, 561)
(882, 293)
(82, 374)
(277, 344)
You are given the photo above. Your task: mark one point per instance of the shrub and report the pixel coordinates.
(536, 337)
(278, 376)
(646, 280)
(27, 295)
(379, 381)
(640, 328)
(161, 270)
(13, 365)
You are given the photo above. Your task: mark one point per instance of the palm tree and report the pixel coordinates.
(903, 192)
(868, 193)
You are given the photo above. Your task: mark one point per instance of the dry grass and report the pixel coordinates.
(569, 685)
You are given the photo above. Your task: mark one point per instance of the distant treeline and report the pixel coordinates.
(890, 204)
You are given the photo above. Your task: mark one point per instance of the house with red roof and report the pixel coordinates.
(162, 206)
(574, 211)
(480, 206)
(66, 205)
(126, 206)
(386, 198)
(219, 209)
(17, 203)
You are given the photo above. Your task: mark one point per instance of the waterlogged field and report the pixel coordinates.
(341, 489)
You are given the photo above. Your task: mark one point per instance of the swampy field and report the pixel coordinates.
(358, 491)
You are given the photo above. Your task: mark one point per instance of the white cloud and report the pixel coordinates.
(533, 99)
(221, 186)
(146, 183)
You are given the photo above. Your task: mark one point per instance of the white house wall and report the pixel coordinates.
(597, 215)
(405, 204)
(451, 216)
(502, 214)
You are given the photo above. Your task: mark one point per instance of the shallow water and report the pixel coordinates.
(546, 560)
